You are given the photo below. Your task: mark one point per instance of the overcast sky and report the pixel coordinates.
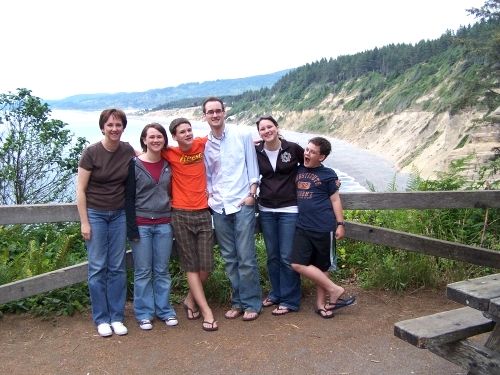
(62, 48)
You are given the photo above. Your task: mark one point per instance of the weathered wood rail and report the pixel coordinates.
(32, 214)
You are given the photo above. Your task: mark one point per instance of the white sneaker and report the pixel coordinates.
(145, 324)
(172, 321)
(119, 328)
(104, 330)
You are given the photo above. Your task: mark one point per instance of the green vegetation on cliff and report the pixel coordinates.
(446, 74)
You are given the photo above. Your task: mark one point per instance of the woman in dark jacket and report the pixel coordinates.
(148, 207)
(278, 164)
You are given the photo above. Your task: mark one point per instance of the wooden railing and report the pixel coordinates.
(31, 214)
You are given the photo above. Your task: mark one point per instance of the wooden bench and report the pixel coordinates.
(446, 334)
(442, 328)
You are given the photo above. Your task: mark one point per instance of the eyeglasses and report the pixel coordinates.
(211, 113)
(312, 152)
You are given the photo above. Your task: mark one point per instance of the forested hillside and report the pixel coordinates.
(388, 79)
(425, 105)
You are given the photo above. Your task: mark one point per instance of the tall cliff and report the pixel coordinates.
(427, 141)
(410, 139)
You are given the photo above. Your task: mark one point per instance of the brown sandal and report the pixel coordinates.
(211, 328)
(193, 312)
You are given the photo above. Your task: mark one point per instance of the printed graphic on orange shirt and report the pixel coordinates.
(191, 159)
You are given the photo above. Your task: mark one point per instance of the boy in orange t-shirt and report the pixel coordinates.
(191, 219)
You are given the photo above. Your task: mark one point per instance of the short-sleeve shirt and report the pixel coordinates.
(315, 186)
(109, 171)
(189, 179)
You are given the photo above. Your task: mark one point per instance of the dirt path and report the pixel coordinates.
(359, 340)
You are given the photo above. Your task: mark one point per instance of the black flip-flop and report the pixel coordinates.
(341, 303)
(319, 312)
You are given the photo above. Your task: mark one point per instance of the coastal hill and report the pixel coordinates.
(422, 106)
(156, 97)
(402, 138)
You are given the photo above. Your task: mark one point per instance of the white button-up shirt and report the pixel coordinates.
(232, 167)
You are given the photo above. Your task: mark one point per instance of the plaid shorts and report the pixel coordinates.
(194, 237)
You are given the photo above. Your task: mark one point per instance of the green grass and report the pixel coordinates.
(29, 250)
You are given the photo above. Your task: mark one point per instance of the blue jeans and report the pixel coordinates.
(106, 259)
(278, 229)
(235, 236)
(151, 273)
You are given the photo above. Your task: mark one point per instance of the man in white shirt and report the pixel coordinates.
(232, 180)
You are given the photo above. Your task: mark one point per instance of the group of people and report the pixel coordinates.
(163, 192)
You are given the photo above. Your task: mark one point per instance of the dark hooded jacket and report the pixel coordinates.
(277, 188)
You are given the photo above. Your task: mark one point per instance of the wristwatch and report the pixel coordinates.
(341, 223)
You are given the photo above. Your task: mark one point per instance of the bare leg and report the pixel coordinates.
(320, 297)
(320, 301)
(196, 295)
(321, 279)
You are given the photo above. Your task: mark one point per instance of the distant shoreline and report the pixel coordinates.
(358, 163)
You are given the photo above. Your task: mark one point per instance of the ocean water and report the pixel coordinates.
(356, 168)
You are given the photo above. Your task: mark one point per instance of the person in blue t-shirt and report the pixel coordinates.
(319, 224)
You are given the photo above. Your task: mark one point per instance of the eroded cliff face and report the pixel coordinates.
(423, 140)
(410, 139)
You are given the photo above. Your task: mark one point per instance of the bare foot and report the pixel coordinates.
(208, 316)
(336, 294)
(281, 310)
(250, 315)
(330, 306)
(325, 314)
(192, 314)
(234, 313)
(209, 325)
(268, 302)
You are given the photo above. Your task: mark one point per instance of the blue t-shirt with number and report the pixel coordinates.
(315, 186)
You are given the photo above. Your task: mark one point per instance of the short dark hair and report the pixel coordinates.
(212, 99)
(176, 122)
(107, 113)
(156, 126)
(325, 147)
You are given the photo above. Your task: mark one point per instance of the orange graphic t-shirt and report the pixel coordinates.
(189, 180)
